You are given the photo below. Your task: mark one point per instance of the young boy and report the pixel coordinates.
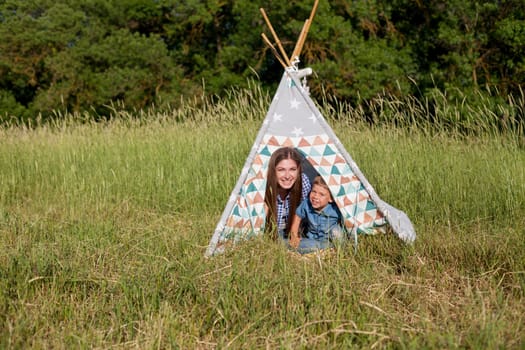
(319, 218)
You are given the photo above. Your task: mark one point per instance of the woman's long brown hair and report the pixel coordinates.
(272, 189)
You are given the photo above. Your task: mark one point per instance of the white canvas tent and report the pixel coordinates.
(294, 120)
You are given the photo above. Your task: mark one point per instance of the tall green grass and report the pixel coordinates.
(103, 229)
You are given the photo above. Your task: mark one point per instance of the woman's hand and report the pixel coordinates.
(294, 232)
(294, 240)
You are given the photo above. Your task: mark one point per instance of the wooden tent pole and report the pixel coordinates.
(275, 53)
(296, 50)
(300, 43)
(287, 60)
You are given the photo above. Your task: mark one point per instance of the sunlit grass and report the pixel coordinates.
(103, 229)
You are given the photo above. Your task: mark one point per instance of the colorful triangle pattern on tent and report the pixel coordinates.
(359, 212)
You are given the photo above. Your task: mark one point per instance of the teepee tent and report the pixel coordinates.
(293, 120)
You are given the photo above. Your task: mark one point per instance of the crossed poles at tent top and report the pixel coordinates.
(282, 57)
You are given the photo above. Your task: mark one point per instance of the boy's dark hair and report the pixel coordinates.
(318, 180)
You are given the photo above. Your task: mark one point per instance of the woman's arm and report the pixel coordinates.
(295, 238)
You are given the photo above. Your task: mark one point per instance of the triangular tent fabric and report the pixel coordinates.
(293, 120)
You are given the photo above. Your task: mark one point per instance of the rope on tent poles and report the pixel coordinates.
(276, 38)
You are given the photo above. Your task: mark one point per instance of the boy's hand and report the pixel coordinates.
(294, 240)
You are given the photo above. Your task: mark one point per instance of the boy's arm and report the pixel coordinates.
(294, 231)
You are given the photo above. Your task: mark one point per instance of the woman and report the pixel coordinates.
(286, 187)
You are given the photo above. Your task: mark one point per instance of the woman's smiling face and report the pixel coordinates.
(286, 171)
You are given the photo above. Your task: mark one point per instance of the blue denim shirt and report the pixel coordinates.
(318, 225)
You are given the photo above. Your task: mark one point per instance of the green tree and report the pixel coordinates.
(29, 35)
(80, 54)
(54, 56)
(119, 67)
(463, 44)
(358, 51)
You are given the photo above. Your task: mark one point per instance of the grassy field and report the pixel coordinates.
(103, 230)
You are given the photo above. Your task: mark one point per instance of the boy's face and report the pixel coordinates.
(320, 197)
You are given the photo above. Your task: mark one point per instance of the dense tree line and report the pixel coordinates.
(86, 54)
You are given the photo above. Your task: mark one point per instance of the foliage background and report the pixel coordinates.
(73, 55)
